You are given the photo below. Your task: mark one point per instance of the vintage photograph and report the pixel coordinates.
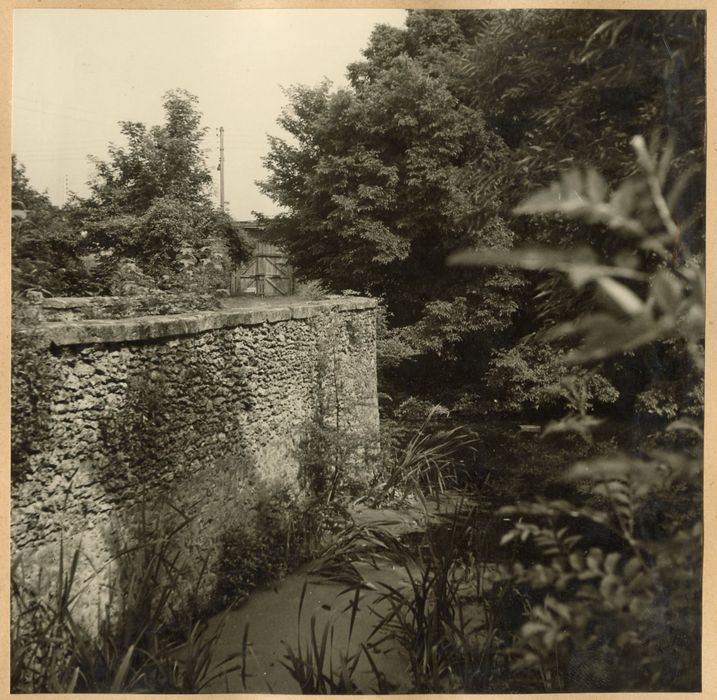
(357, 351)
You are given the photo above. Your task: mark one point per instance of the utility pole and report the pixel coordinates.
(221, 168)
(67, 187)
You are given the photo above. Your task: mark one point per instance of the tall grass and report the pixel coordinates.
(445, 614)
(145, 638)
(311, 664)
(148, 637)
(41, 631)
(442, 617)
(425, 465)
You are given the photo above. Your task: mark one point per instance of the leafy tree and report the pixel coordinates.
(566, 88)
(378, 181)
(574, 84)
(45, 247)
(161, 161)
(150, 203)
(444, 123)
(531, 375)
(622, 613)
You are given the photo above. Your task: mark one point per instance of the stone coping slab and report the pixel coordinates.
(118, 330)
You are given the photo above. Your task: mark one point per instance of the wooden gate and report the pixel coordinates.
(268, 273)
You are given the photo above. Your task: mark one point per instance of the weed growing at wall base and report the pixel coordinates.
(144, 639)
(266, 541)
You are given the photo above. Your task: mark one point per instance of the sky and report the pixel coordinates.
(77, 73)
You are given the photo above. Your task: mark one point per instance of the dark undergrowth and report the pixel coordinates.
(581, 568)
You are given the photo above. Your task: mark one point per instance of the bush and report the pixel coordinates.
(415, 409)
(620, 617)
(613, 595)
(598, 590)
(262, 545)
(535, 376)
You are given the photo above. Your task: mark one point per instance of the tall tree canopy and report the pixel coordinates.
(380, 181)
(445, 126)
(150, 202)
(161, 161)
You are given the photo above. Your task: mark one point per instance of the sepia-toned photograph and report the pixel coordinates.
(357, 351)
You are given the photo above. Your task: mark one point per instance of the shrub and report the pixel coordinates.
(413, 409)
(534, 376)
(613, 598)
(263, 544)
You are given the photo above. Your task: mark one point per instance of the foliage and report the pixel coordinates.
(674, 386)
(445, 618)
(446, 324)
(157, 234)
(392, 347)
(417, 619)
(238, 243)
(149, 215)
(160, 161)
(566, 88)
(611, 620)
(414, 408)
(263, 547)
(312, 665)
(659, 400)
(425, 463)
(673, 307)
(150, 204)
(428, 619)
(606, 609)
(31, 379)
(332, 451)
(322, 458)
(566, 91)
(249, 529)
(133, 648)
(379, 178)
(328, 453)
(39, 636)
(610, 589)
(45, 247)
(310, 289)
(443, 125)
(535, 376)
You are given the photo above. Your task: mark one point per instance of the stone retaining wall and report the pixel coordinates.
(194, 407)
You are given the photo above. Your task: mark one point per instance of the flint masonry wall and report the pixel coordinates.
(191, 406)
